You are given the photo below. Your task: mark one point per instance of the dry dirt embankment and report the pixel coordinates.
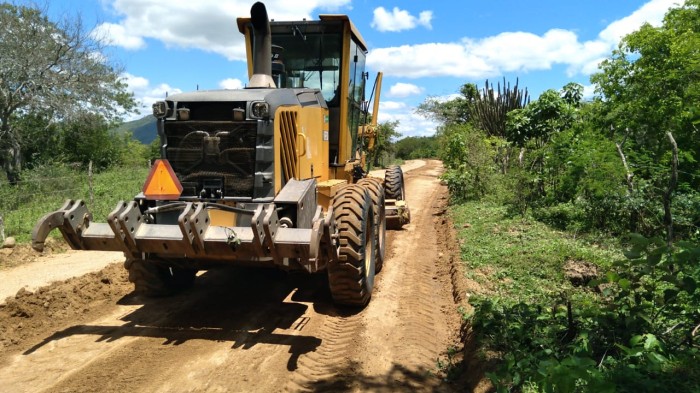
(246, 329)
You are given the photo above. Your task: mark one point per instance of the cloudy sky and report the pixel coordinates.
(425, 48)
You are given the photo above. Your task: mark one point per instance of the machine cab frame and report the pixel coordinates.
(328, 54)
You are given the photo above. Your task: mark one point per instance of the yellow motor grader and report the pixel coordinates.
(269, 175)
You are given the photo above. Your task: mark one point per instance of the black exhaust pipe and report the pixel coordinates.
(262, 48)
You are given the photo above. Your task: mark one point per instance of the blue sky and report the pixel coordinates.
(425, 48)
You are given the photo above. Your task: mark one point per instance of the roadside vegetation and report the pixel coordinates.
(579, 220)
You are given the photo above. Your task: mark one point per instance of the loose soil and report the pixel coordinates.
(249, 329)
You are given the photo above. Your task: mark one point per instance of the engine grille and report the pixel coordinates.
(205, 154)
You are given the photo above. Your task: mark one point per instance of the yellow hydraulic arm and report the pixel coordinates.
(369, 131)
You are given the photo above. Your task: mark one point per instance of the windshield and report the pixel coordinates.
(311, 60)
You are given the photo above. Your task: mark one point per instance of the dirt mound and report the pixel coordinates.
(580, 273)
(31, 314)
(23, 253)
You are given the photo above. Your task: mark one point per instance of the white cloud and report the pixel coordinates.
(145, 94)
(404, 90)
(588, 91)
(116, 35)
(435, 59)
(208, 25)
(398, 19)
(231, 83)
(410, 123)
(651, 12)
(391, 106)
(478, 58)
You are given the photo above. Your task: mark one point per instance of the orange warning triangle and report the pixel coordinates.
(162, 183)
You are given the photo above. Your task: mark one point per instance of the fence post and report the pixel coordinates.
(92, 194)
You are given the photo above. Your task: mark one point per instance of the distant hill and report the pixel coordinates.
(143, 129)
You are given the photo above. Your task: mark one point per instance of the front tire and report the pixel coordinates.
(393, 183)
(376, 192)
(351, 277)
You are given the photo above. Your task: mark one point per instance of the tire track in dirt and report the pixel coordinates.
(337, 335)
(410, 323)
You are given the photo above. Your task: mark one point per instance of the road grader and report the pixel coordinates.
(273, 174)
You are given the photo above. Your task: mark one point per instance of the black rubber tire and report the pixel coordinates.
(155, 280)
(393, 183)
(351, 277)
(376, 192)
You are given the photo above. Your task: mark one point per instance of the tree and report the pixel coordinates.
(55, 69)
(551, 112)
(413, 147)
(454, 111)
(383, 143)
(651, 86)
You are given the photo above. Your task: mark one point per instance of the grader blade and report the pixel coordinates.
(397, 214)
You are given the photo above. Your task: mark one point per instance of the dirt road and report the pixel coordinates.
(245, 330)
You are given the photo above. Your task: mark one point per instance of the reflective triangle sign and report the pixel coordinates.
(162, 184)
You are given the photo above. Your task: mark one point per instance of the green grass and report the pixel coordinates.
(521, 259)
(548, 335)
(44, 190)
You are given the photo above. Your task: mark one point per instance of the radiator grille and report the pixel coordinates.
(288, 136)
(203, 153)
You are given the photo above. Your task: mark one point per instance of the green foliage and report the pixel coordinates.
(454, 111)
(490, 107)
(522, 259)
(51, 72)
(468, 156)
(601, 167)
(552, 112)
(143, 130)
(630, 330)
(153, 151)
(384, 143)
(651, 86)
(88, 139)
(413, 147)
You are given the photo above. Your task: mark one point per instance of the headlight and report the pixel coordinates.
(259, 110)
(160, 109)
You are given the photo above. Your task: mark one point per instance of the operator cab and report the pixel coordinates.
(329, 55)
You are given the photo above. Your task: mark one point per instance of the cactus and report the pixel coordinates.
(488, 110)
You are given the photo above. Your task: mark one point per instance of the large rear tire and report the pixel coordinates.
(393, 183)
(351, 277)
(376, 192)
(154, 280)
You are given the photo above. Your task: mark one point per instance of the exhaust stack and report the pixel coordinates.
(262, 48)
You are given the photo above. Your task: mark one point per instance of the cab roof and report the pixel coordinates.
(243, 22)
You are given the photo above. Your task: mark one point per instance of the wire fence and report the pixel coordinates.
(44, 190)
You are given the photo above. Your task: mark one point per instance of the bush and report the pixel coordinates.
(469, 158)
(562, 216)
(637, 335)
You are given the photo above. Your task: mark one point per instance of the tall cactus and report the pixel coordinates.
(489, 108)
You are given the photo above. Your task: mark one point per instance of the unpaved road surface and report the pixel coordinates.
(243, 330)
